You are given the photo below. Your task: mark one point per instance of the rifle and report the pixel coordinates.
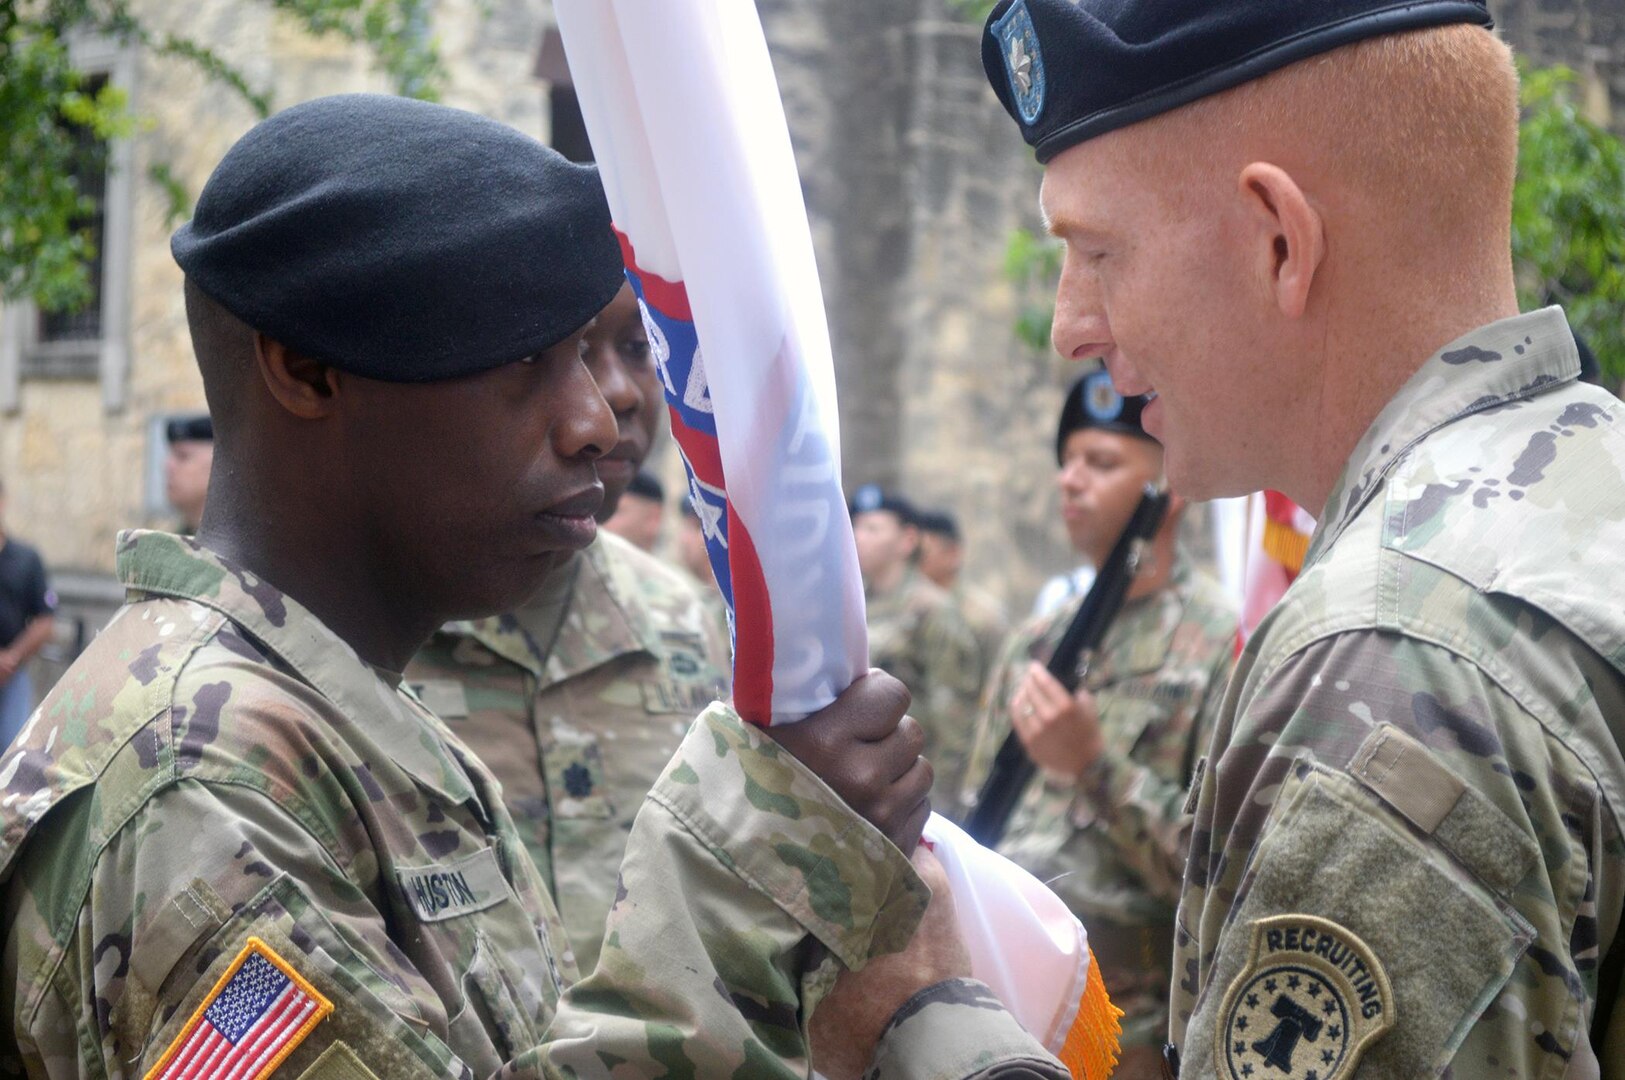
(1012, 769)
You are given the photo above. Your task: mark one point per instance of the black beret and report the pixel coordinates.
(938, 523)
(1068, 70)
(1093, 402)
(647, 485)
(871, 497)
(196, 428)
(400, 240)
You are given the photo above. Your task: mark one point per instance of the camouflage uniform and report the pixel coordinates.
(985, 617)
(1112, 843)
(577, 733)
(1415, 808)
(916, 635)
(219, 766)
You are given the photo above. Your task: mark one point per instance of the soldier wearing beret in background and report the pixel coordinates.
(188, 460)
(942, 562)
(26, 623)
(1408, 858)
(233, 842)
(1104, 822)
(916, 632)
(577, 700)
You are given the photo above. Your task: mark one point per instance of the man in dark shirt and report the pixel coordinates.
(25, 625)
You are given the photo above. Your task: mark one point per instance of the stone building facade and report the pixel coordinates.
(914, 181)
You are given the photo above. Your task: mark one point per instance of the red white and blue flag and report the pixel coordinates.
(686, 122)
(688, 129)
(253, 1018)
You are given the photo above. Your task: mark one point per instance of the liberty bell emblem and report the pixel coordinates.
(1296, 1023)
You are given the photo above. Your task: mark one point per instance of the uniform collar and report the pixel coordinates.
(162, 564)
(602, 622)
(1507, 361)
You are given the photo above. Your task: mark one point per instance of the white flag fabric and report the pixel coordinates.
(688, 129)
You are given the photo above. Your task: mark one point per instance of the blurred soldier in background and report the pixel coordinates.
(187, 464)
(578, 699)
(942, 560)
(26, 603)
(1104, 821)
(641, 511)
(915, 632)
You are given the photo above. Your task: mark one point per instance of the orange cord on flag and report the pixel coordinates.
(1285, 545)
(1090, 1050)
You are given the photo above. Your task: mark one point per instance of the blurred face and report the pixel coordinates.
(884, 542)
(186, 477)
(940, 558)
(1102, 477)
(475, 489)
(637, 519)
(691, 548)
(618, 356)
(1164, 277)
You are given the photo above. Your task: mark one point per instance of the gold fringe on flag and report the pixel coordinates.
(1090, 1050)
(1285, 544)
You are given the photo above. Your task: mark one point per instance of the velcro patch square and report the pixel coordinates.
(259, 1011)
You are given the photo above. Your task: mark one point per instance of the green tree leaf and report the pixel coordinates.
(56, 122)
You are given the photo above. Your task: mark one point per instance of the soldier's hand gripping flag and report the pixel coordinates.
(686, 123)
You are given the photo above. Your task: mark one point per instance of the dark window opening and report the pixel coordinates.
(90, 175)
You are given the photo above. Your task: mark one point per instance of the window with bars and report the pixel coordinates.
(89, 343)
(82, 324)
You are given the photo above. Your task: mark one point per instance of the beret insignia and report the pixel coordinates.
(1310, 1001)
(1102, 400)
(1023, 62)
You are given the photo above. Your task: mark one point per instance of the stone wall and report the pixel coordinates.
(915, 179)
(1586, 35)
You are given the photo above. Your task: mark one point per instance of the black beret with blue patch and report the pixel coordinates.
(1093, 402)
(872, 497)
(1069, 70)
(400, 240)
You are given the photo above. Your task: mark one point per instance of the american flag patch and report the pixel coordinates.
(259, 1011)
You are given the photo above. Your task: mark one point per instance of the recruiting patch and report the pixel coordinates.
(1311, 999)
(256, 1015)
(446, 890)
(1023, 63)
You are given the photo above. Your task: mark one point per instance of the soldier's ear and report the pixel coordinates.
(303, 386)
(1288, 239)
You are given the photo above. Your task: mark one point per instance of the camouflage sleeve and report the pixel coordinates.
(200, 879)
(958, 1029)
(1144, 810)
(747, 884)
(1399, 864)
(951, 661)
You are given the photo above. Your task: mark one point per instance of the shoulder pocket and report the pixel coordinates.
(1422, 940)
(280, 942)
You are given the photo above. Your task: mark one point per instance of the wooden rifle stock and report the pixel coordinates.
(1012, 769)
